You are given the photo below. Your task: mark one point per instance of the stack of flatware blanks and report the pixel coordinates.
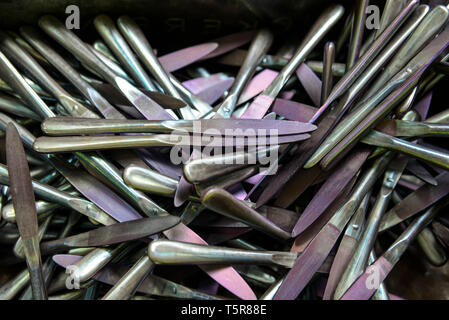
(262, 168)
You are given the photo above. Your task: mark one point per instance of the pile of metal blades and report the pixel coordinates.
(261, 168)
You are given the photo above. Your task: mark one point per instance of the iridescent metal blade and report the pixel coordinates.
(93, 143)
(292, 110)
(346, 248)
(416, 201)
(197, 85)
(362, 289)
(117, 98)
(421, 172)
(116, 233)
(329, 190)
(320, 247)
(257, 84)
(61, 126)
(230, 42)
(226, 276)
(22, 195)
(181, 58)
(310, 82)
(212, 93)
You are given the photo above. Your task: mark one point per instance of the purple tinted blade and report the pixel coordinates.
(208, 286)
(292, 110)
(255, 178)
(257, 84)
(151, 157)
(329, 191)
(341, 260)
(308, 263)
(65, 260)
(230, 42)
(131, 111)
(303, 240)
(149, 108)
(234, 58)
(251, 127)
(214, 92)
(237, 191)
(97, 192)
(422, 107)
(258, 108)
(226, 276)
(199, 84)
(364, 287)
(294, 187)
(418, 170)
(270, 116)
(179, 59)
(417, 201)
(287, 95)
(185, 188)
(310, 82)
(292, 167)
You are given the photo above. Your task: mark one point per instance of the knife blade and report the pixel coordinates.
(23, 199)
(115, 233)
(62, 126)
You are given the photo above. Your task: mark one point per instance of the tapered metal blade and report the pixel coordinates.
(423, 106)
(330, 190)
(362, 288)
(234, 58)
(308, 263)
(230, 42)
(61, 126)
(417, 201)
(149, 108)
(197, 85)
(117, 98)
(224, 203)
(181, 58)
(21, 187)
(418, 170)
(119, 232)
(257, 84)
(310, 82)
(96, 191)
(342, 258)
(214, 92)
(303, 240)
(258, 108)
(292, 110)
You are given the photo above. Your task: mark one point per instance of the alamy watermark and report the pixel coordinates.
(73, 280)
(73, 20)
(373, 280)
(372, 17)
(226, 146)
